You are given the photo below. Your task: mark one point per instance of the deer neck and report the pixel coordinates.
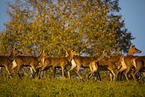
(130, 52)
(39, 57)
(117, 63)
(100, 57)
(12, 55)
(70, 56)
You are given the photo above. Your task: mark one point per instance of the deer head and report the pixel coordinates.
(133, 50)
(105, 54)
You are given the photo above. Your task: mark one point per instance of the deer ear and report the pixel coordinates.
(104, 50)
(43, 51)
(130, 44)
(66, 53)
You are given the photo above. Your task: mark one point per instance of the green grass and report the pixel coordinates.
(66, 87)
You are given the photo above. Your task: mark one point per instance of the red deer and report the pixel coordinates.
(24, 61)
(139, 64)
(41, 63)
(105, 64)
(126, 63)
(5, 61)
(79, 61)
(57, 62)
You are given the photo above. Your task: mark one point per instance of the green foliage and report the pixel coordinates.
(65, 87)
(88, 26)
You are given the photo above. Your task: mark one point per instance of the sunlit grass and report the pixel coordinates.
(66, 87)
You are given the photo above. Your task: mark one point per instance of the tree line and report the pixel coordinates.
(87, 26)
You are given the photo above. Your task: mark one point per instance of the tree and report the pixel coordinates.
(87, 26)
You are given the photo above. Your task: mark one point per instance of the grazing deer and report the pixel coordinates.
(127, 61)
(23, 61)
(5, 61)
(57, 62)
(106, 64)
(79, 61)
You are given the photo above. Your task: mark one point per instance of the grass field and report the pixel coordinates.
(66, 87)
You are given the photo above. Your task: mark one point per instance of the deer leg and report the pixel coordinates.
(31, 70)
(72, 67)
(44, 74)
(97, 76)
(114, 78)
(78, 68)
(93, 69)
(136, 71)
(9, 75)
(44, 68)
(18, 69)
(91, 73)
(62, 69)
(117, 75)
(45, 71)
(120, 70)
(65, 68)
(37, 72)
(110, 76)
(32, 67)
(126, 72)
(112, 73)
(33, 73)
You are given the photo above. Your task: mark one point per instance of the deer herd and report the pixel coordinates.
(118, 66)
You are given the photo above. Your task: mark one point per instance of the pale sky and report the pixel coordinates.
(133, 11)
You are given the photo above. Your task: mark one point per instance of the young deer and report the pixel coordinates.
(127, 61)
(106, 64)
(5, 61)
(79, 61)
(23, 61)
(57, 62)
